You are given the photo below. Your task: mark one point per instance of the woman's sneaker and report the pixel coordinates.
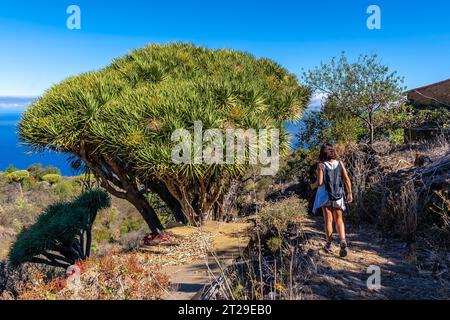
(343, 252)
(328, 247)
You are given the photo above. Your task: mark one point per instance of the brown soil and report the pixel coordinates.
(405, 273)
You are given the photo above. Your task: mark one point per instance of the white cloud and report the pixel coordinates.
(316, 102)
(10, 105)
(14, 103)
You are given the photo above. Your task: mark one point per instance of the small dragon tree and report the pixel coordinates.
(119, 121)
(62, 234)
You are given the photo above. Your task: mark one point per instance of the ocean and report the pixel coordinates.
(11, 150)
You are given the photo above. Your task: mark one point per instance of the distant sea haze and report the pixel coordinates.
(11, 151)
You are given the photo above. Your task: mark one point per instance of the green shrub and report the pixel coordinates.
(63, 190)
(17, 176)
(397, 136)
(29, 184)
(35, 169)
(10, 169)
(79, 180)
(58, 234)
(130, 225)
(39, 172)
(51, 178)
(274, 244)
(106, 227)
(277, 216)
(433, 116)
(102, 235)
(51, 170)
(166, 219)
(163, 212)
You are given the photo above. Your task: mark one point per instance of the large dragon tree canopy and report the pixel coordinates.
(119, 120)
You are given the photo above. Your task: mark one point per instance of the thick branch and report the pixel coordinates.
(50, 263)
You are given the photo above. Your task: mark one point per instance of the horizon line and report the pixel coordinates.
(19, 96)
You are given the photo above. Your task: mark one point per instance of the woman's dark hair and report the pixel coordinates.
(328, 152)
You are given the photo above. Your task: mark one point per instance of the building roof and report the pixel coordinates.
(433, 95)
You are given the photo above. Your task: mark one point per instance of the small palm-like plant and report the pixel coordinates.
(18, 177)
(119, 121)
(62, 234)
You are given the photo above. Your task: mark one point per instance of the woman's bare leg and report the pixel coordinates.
(339, 221)
(328, 218)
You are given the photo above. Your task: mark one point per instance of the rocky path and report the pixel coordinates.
(227, 241)
(424, 275)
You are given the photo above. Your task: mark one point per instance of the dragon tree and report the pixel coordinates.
(119, 121)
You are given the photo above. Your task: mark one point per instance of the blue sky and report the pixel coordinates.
(37, 49)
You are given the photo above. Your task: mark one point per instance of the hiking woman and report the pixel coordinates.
(331, 198)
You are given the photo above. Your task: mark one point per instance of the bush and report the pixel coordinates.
(106, 228)
(36, 170)
(274, 244)
(61, 229)
(10, 169)
(113, 277)
(102, 236)
(29, 184)
(63, 190)
(17, 176)
(51, 170)
(276, 217)
(84, 179)
(3, 180)
(39, 172)
(404, 199)
(130, 225)
(51, 178)
(277, 265)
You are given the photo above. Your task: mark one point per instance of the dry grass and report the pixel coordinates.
(114, 277)
(404, 190)
(276, 265)
(278, 216)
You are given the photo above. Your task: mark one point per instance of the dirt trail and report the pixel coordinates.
(423, 276)
(228, 241)
(402, 277)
